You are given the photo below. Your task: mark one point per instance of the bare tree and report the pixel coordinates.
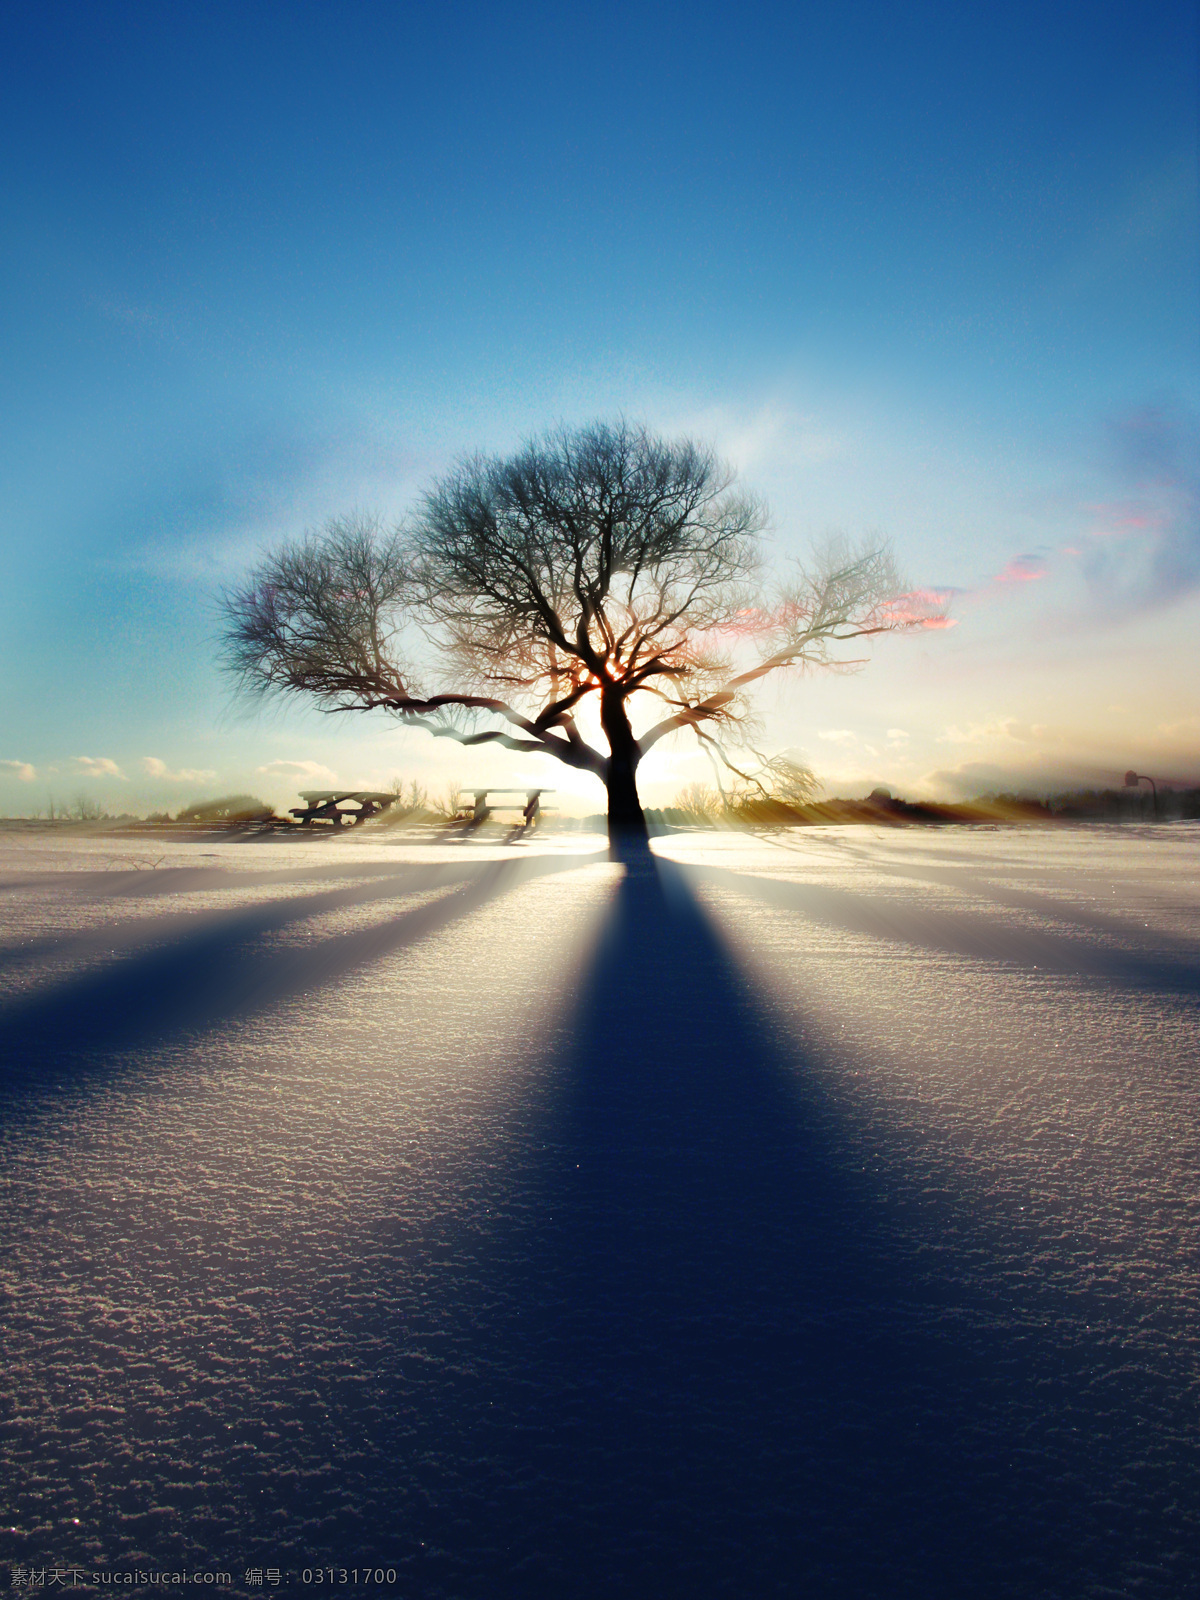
(594, 566)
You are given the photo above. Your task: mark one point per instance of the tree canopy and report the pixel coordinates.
(595, 565)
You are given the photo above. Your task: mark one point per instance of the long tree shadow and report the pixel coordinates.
(676, 1352)
(216, 967)
(148, 881)
(1173, 968)
(700, 1368)
(990, 878)
(238, 923)
(684, 1356)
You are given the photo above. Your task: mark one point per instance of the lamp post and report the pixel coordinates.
(1132, 779)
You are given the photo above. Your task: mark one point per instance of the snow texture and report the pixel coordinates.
(816, 1216)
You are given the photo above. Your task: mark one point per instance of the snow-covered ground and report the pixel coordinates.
(816, 1217)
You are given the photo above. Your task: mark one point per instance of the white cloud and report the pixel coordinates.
(838, 735)
(99, 767)
(20, 769)
(297, 769)
(1006, 730)
(897, 733)
(772, 435)
(1038, 778)
(159, 769)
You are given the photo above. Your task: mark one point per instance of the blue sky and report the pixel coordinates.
(929, 269)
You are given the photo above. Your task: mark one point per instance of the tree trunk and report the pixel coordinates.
(627, 831)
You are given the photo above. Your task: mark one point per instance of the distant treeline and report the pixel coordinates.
(1078, 805)
(702, 808)
(1125, 805)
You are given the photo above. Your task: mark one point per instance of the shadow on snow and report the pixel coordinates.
(184, 974)
(682, 1357)
(692, 1364)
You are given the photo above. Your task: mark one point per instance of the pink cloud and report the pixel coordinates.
(1017, 571)
(1021, 569)
(920, 608)
(1146, 550)
(1123, 518)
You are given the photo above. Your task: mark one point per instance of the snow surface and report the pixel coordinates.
(815, 1217)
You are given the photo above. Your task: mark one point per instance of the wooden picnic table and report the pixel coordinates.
(323, 805)
(481, 810)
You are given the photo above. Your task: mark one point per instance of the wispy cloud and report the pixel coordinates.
(1038, 777)
(922, 608)
(297, 769)
(98, 767)
(771, 435)
(209, 519)
(838, 735)
(1016, 574)
(1129, 546)
(20, 769)
(1021, 569)
(1121, 519)
(159, 769)
(1003, 730)
(1144, 550)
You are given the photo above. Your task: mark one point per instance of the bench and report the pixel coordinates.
(480, 810)
(323, 805)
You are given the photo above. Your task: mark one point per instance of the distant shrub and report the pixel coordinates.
(412, 804)
(227, 808)
(779, 794)
(698, 804)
